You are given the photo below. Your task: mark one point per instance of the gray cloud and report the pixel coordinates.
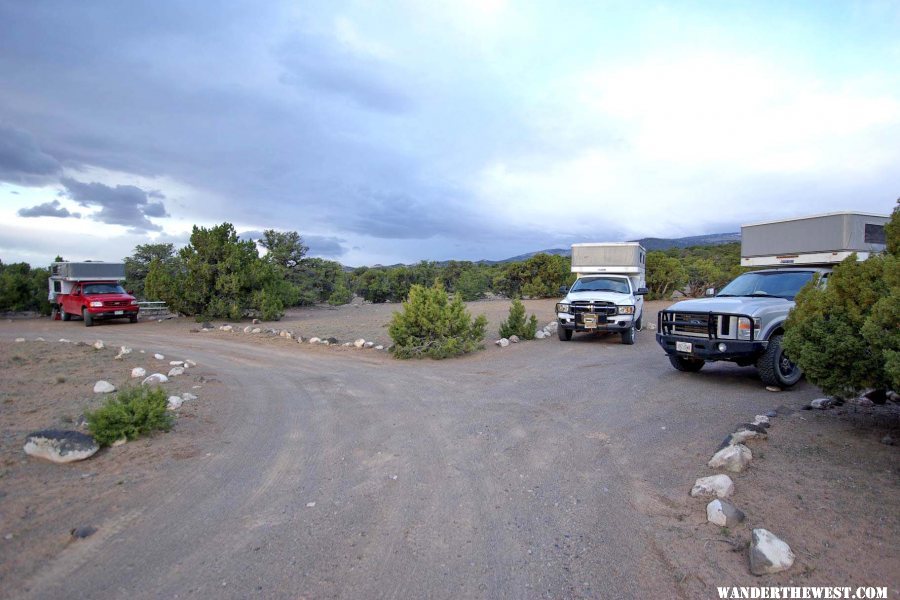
(22, 161)
(48, 209)
(329, 246)
(251, 235)
(121, 205)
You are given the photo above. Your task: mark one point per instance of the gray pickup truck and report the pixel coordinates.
(742, 324)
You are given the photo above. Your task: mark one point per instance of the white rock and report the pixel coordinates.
(552, 326)
(310, 504)
(742, 435)
(761, 420)
(503, 342)
(651, 327)
(99, 345)
(768, 553)
(155, 378)
(65, 341)
(821, 403)
(347, 344)
(359, 343)
(176, 371)
(731, 458)
(138, 372)
(174, 402)
(39, 339)
(514, 339)
(60, 446)
(370, 344)
(176, 363)
(379, 347)
(256, 330)
(719, 486)
(187, 396)
(540, 335)
(104, 387)
(19, 340)
(123, 350)
(248, 329)
(314, 340)
(190, 363)
(299, 339)
(159, 356)
(723, 514)
(226, 328)
(120, 442)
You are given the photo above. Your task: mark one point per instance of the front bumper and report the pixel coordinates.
(605, 323)
(102, 312)
(708, 349)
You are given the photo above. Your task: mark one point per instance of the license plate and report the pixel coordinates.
(119, 312)
(590, 321)
(684, 347)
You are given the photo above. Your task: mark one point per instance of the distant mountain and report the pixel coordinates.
(712, 239)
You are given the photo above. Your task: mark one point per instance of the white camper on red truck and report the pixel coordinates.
(91, 291)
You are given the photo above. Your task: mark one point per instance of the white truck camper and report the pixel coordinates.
(608, 295)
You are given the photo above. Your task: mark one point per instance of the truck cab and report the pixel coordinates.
(91, 291)
(608, 295)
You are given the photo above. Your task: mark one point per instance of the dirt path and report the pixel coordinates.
(547, 469)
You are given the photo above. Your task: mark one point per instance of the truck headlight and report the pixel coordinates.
(96, 304)
(744, 326)
(562, 307)
(626, 310)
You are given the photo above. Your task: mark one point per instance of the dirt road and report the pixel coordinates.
(545, 470)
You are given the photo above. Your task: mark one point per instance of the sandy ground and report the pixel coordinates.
(823, 480)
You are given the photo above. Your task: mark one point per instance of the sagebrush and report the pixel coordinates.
(433, 325)
(133, 412)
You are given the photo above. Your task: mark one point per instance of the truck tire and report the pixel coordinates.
(54, 313)
(64, 315)
(686, 365)
(563, 334)
(628, 336)
(775, 368)
(88, 318)
(133, 318)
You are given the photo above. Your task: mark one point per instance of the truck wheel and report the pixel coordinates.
(775, 368)
(54, 313)
(628, 336)
(687, 365)
(65, 316)
(88, 319)
(133, 318)
(563, 334)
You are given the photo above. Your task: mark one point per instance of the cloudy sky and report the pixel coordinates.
(398, 131)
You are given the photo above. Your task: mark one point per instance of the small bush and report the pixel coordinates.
(433, 325)
(340, 295)
(131, 413)
(516, 324)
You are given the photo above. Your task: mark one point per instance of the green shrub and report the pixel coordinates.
(846, 337)
(131, 413)
(341, 294)
(516, 324)
(433, 325)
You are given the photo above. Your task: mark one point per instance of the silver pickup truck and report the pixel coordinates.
(742, 324)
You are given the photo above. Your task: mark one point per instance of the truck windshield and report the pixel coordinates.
(601, 284)
(103, 288)
(779, 284)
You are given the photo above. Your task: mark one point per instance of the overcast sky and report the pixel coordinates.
(391, 132)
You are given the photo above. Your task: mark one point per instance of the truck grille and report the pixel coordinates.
(117, 303)
(597, 307)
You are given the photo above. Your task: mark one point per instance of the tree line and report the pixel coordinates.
(219, 275)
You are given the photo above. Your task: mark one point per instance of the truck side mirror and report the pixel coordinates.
(641, 292)
(563, 289)
(710, 291)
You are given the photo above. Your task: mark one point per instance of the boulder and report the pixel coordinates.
(821, 403)
(379, 347)
(503, 342)
(359, 343)
(540, 335)
(20, 340)
(187, 396)
(255, 321)
(159, 356)
(207, 325)
(99, 345)
(734, 458)
(347, 344)
(226, 328)
(248, 329)
(65, 341)
(176, 371)
(761, 420)
(768, 553)
(314, 340)
(370, 344)
(862, 401)
(123, 350)
(104, 387)
(176, 363)
(332, 341)
(552, 326)
(514, 339)
(138, 372)
(174, 402)
(724, 514)
(190, 363)
(155, 378)
(745, 432)
(60, 446)
(256, 330)
(719, 486)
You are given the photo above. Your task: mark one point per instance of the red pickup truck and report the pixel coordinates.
(93, 300)
(91, 290)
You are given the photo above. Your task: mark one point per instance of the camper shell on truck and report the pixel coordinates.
(744, 322)
(91, 291)
(608, 295)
